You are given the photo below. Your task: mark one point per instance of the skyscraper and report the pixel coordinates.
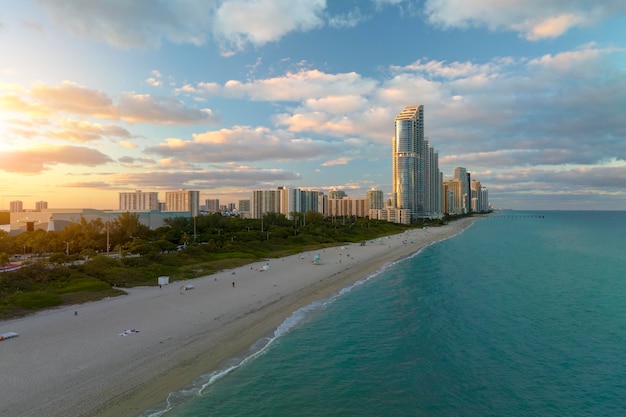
(407, 162)
(416, 178)
(461, 174)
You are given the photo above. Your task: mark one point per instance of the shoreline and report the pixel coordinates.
(73, 361)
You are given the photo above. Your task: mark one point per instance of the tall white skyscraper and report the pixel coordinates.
(407, 164)
(416, 178)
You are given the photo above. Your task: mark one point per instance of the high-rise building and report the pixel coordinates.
(309, 200)
(290, 201)
(375, 199)
(337, 194)
(244, 205)
(407, 165)
(212, 205)
(416, 179)
(138, 201)
(433, 184)
(41, 205)
(347, 206)
(461, 174)
(264, 201)
(183, 200)
(480, 194)
(16, 206)
(283, 200)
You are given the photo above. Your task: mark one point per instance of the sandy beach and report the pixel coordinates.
(120, 356)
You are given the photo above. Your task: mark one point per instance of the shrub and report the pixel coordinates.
(36, 299)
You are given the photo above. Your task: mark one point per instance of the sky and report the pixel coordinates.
(228, 96)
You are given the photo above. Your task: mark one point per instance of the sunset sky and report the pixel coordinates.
(226, 96)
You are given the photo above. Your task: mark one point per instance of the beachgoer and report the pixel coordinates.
(233, 284)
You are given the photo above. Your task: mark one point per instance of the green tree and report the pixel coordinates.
(275, 219)
(313, 217)
(125, 227)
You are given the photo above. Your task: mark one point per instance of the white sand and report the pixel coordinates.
(64, 364)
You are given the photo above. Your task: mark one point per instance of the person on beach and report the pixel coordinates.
(233, 284)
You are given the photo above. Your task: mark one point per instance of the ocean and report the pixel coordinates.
(522, 314)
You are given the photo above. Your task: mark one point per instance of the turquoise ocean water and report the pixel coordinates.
(519, 315)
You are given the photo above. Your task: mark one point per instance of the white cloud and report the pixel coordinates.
(41, 158)
(139, 23)
(339, 161)
(532, 19)
(242, 22)
(225, 176)
(301, 85)
(233, 24)
(145, 108)
(43, 100)
(243, 143)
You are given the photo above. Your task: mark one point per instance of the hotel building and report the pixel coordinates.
(183, 200)
(375, 199)
(16, 206)
(138, 201)
(212, 205)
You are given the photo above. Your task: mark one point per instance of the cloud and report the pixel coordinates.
(36, 160)
(301, 85)
(347, 20)
(243, 143)
(232, 24)
(141, 23)
(69, 97)
(568, 102)
(12, 102)
(532, 19)
(131, 162)
(83, 131)
(236, 178)
(145, 108)
(598, 179)
(338, 161)
(73, 98)
(257, 22)
(155, 79)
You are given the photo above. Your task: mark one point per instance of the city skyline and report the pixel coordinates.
(229, 96)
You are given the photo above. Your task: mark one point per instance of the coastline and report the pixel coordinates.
(73, 361)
